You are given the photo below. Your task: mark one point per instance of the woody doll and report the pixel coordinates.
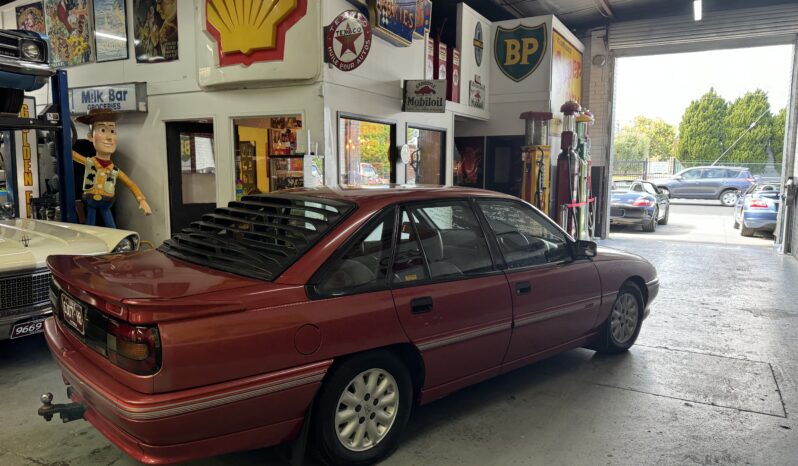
(100, 175)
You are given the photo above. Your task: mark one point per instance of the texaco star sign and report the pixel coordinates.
(348, 40)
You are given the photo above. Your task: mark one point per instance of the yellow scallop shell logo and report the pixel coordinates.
(245, 27)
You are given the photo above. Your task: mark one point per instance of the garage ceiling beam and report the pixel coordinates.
(604, 8)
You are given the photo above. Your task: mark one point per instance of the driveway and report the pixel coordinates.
(695, 221)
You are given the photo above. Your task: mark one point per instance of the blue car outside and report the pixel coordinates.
(640, 203)
(757, 209)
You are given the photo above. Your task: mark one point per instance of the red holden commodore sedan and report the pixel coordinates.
(326, 314)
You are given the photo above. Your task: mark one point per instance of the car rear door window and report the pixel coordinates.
(452, 239)
(715, 173)
(525, 238)
(365, 264)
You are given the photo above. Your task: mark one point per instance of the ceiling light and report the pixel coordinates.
(697, 7)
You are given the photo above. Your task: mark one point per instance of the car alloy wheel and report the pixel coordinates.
(622, 326)
(362, 409)
(367, 410)
(623, 319)
(729, 197)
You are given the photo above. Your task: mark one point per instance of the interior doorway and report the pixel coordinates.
(191, 165)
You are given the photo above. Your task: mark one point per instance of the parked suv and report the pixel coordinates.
(722, 183)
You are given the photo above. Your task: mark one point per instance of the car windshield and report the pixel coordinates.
(259, 236)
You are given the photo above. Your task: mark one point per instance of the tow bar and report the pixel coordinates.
(68, 412)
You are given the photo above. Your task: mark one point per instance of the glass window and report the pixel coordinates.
(691, 174)
(650, 188)
(198, 168)
(266, 156)
(715, 173)
(365, 265)
(637, 187)
(525, 237)
(427, 149)
(366, 149)
(452, 238)
(409, 264)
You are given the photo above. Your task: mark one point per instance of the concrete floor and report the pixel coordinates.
(696, 221)
(713, 380)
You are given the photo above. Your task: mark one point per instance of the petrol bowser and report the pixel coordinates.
(585, 202)
(567, 169)
(536, 155)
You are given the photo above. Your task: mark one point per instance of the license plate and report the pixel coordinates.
(73, 313)
(23, 329)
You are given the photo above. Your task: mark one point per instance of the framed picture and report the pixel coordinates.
(155, 30)
(30, 17)
(110, 30)
(69, 27)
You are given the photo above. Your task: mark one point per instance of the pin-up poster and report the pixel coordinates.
(155, 30)
(30, 17)
(566, 72)
(69, 27)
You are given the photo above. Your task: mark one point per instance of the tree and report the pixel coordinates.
(752, 145)
(777, 133)
(701, 133)
(631, 145)
(661, 135)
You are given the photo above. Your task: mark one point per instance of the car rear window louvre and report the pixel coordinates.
(259, 236)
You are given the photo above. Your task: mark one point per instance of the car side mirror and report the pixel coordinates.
(584, 249)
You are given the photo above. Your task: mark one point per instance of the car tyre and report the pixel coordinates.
(729, 197)
(736, 225)
(622, 327)
(352, 407)
(651, 226)
(747, 232)
(664, 219)
(11, 100)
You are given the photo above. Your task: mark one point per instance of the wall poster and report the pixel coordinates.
(69, 27)
(155, 30)
(469, 157)
(30, 17)
(110, 30)
(566, 72)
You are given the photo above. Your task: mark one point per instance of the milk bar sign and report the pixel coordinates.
(425, 96)
(129, 97)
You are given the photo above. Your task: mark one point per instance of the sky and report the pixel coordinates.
(662, 86)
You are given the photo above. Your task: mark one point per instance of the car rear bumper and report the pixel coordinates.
(190, 424)
(764, 223)
(19, 74)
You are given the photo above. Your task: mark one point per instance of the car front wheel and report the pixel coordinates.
(729, 197)
(651, 225)
(623, 325)
(362, 409)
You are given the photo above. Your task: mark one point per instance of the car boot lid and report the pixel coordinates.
(150, 286)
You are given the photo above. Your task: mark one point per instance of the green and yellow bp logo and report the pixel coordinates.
(520, 50)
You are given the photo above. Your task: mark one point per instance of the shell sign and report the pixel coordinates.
(249, 31)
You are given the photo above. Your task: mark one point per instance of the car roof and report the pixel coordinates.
(378, 196)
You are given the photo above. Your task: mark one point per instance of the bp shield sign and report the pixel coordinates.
(520, 50)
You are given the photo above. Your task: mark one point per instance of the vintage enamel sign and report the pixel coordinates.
(476, 95)
(394, 20)
(425, 96)
(479, 43)
(347, 41)
(520, 50)
(423, 18)
(126, 97)
(254, 31)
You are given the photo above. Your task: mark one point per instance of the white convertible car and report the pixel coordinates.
(24, 278)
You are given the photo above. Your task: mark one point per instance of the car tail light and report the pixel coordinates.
(643, 202)
(133, 348)
(750, 180)
(757, 204)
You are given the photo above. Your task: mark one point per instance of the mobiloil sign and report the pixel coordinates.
(425, 96)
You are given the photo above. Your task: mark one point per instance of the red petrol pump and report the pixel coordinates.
(567, 170)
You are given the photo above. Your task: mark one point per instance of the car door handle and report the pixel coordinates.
(522, 288)
(421, 305)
